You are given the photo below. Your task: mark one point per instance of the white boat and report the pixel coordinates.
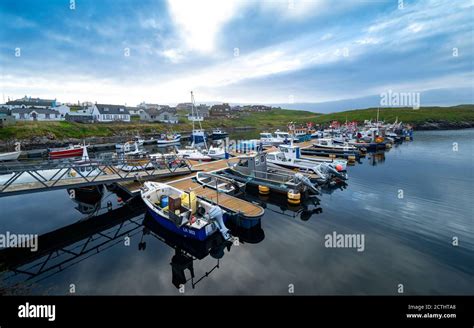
(294, 152)
(194, 154)
(329, 144)
(219, 183)
(11, 156)
(290, 158)
(284, 137)
(166, 139)
(267, 139)
(218, 152)
(183, 213)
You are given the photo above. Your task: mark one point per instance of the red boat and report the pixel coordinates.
(71, 151)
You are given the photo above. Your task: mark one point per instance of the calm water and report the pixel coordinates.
(407, 240)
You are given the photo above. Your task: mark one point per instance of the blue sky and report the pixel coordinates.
(237, 51)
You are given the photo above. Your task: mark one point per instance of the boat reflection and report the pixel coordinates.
(376, 158)
(88, 199)
(279, 204)
(187, 251)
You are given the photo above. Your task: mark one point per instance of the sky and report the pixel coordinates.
(246, 51)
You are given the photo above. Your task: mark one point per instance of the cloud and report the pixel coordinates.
(199, 22)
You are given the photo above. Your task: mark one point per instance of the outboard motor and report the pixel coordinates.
(217, 215)
(300, 177)
(331, 171)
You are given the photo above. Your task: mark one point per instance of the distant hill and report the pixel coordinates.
(438, 97)
(460, 116)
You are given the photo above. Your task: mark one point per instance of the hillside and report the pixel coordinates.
(422, 118)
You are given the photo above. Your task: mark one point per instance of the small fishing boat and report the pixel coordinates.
(10, 156)
(166, 139)
(218, 134)
(328, 144)
(252, 170)
(217, 152)
(219, 183)
(285, 137)
(267, 139)
(66, 152)
(289, 157)
(183, 212)
(194, 154)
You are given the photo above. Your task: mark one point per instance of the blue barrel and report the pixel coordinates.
(164, 201)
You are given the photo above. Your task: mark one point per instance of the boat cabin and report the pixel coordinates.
(253, 165)
(291, 151)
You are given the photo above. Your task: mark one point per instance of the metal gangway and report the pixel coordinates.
(33, 176)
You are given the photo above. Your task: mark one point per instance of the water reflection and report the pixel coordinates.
(69, 245)
(88, 199)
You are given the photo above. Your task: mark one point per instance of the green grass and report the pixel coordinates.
(407, 115)
(262, 120)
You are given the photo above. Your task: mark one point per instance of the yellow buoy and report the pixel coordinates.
(264, 190)
(407, 138)
(351, 158)
(294, 197)
(332, 155)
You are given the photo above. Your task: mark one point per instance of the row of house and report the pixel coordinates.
(37, 109)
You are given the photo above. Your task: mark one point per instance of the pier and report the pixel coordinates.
(22, 178)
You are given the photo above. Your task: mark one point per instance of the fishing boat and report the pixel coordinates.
(182, 212)
(10, 156)
(285, 137)
(66, 152)
(267, 139)
(289, 156)
(217, 152)
(301, 133)
(166, 139)
(219, 183)
(329, 145)
(252, 170)
(194, 154)
(218, 134)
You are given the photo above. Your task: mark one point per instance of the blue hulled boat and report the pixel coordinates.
(182, 212)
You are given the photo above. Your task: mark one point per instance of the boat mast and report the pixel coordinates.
(193, 111)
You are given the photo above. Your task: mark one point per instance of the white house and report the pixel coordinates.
(63, 110)
(110, 113)
(36, 114)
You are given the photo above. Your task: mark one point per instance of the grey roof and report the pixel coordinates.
(154, 111)
(112, 109)
(34, 109)
(32, 102)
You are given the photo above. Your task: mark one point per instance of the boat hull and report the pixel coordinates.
(12, 156)
(187, 232)
(55, 154)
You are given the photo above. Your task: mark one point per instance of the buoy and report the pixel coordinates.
(338, 167)
(351, 158)
(332, 155)
(389, 145)
(407, 138)
(294, 197)
(72, 173)
(119, 200)
(264, 190)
